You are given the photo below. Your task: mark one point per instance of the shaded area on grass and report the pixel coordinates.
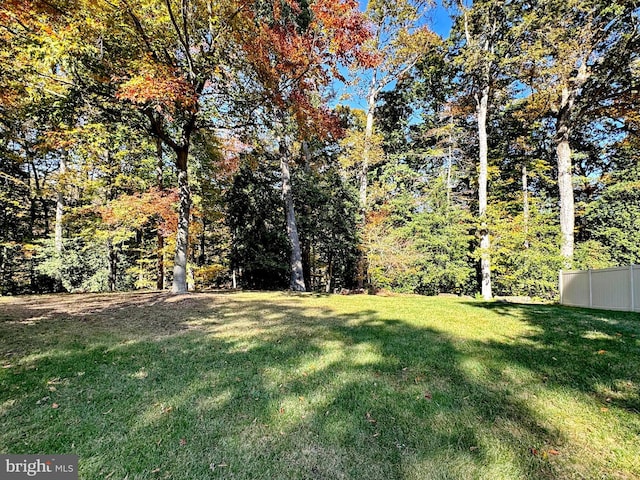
(594, 352)
(277, 386)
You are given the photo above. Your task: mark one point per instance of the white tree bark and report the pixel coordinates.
(485, 242)
(297, 276)
(366, 150)
(525, 204)
(59, 207)
(182, 239)
(565, 177)
(364, 171)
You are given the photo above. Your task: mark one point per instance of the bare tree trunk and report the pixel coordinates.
(565, 177)
(59, 208)
(570, 92)
(449, 163)
(485, 242)
(307, 269)
(296, 282)
(159, 235)
(525, 205)
(361, 271)
(113, 266)
(203, 243)
(329, 273)
(182, 238)
(3, 264)
(32, 204)
(57, 242)
(366, 151)
(43, 202)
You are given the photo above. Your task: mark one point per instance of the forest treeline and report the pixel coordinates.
(316, 145)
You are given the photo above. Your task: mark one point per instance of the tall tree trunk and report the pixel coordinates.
(113, 266)
(3, 264)
(329, 273)
(184, 209)
(449, 166)
(307, 269)
(159, 235)
(296, 282)
(525, 205)
(38, 197)
(364, 181)
(485, 243)
(59, 213)
(203, 243)
(366, 151)
(565, 176)
(59, 208)
(570, 92)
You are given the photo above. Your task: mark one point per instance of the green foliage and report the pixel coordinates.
(326, 211)
(79, 266)
(613, 219)
(82, 266)
(591, 254)
(256, 219)
(424, 249)
(525, 254)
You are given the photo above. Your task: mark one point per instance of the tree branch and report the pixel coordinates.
(181, 39)
(141, 31)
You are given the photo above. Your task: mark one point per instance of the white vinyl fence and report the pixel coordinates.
(609, 288)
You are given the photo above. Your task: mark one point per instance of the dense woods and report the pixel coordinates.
(188, 144)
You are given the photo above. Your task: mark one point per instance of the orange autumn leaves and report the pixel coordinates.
(292, 59)
(135, 211)
(295, 59)
(160, 87)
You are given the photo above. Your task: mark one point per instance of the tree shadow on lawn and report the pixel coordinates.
(235, 387)
(591, 351)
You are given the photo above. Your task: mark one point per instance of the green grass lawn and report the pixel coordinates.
(277, 386)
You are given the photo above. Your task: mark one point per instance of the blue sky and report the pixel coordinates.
(438, 20)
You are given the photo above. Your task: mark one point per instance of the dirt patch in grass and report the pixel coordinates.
(33, 320)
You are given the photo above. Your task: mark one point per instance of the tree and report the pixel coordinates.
(580, 54)
(482, 35)
(399, 40)
(613, 219)
(256, 219)
(162, 59)
(295, 50)
(418, 241)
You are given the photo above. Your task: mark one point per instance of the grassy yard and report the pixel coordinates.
(277, 386)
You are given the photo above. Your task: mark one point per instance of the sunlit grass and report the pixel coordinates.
(278, 386)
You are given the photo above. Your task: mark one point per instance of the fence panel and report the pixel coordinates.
(574, 289)
(636, 288)
(609, 288)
